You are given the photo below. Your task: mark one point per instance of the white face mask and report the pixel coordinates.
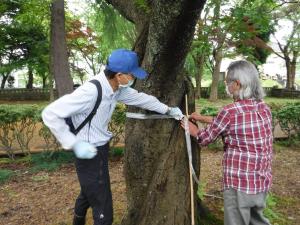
(130, 82)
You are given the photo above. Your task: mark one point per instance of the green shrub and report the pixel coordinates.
(270, 211)
(17, 122)
(18, 126)
(50, 161)
(288, 117)
(5, 175)
(117, 124)
(209, 111)
(117, 152)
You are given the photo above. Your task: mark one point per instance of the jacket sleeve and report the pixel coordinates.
(79, 101)
(219, 125)
(130, 96)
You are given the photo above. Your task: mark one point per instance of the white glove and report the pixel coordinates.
(84, 150)
(175, 112)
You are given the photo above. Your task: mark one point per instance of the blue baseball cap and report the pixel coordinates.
(125, 61)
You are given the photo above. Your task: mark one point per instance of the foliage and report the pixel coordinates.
(93, 35)
(111, 28)
(18, 125)
(209, 218)
(230, 29)
(117, 124)
(117, 152)
(50, 161)
(253, 26)
(5, 175)
(270, 210)
(288, 117)
(288, 16)
(201, 190)
(209, 111)
(142, 4)
(24, 41)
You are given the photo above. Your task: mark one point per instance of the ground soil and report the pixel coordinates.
(47, 198)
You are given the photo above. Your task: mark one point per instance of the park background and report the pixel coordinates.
(38, 181)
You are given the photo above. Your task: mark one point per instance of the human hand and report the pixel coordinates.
(201, 118)
(175, 112)
(193, 129)
(84, 150)
(195, 117)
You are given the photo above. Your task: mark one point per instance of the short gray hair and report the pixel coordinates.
(247, 74)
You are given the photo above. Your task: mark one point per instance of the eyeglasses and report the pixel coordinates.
(228, 83)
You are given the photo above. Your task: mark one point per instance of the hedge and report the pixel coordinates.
(19, 124)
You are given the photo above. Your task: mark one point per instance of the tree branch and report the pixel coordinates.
(295, 28)
(283, 3)
(129, 10)
(279, 45)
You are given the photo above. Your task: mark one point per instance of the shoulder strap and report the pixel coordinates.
(92, 114)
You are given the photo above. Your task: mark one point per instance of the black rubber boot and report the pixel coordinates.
(78, 220)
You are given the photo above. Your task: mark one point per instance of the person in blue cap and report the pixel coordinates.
(91, 143)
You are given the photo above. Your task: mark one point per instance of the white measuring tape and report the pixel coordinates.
(142, 116)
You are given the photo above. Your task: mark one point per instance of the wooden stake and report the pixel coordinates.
(190, 168)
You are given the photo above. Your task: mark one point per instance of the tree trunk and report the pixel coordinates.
(289, 81)
(293, 68)
(4, 79)
(200, 67)
(59, 65)
(217, 53)
(216, 75)
(156, 163)
(44, 81)
(30, 78)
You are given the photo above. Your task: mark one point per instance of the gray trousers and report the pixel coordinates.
(244, 209)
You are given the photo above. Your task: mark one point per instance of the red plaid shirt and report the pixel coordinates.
(246, 129)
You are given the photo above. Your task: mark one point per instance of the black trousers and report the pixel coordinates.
(95, 191)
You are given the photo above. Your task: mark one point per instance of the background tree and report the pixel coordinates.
(24, 36)
(59, 65)
(82, 44)
(289, 47)
(199, 53)
(231, 29)
(12, 50)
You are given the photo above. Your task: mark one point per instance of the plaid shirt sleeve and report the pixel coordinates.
(219, 124)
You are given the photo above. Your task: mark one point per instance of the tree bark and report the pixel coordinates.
(293, 68)
(289, 84)
(216, 75)
(200, 67)
(30, 78)
(156, 164)
(217, 53)
(4, 79)
(59, 65)
(44, 81)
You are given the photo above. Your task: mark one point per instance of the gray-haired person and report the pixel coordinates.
(246, 130)
(91, 144)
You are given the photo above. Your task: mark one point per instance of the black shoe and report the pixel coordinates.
(78, 220)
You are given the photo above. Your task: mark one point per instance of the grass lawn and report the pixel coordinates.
(270, 83)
